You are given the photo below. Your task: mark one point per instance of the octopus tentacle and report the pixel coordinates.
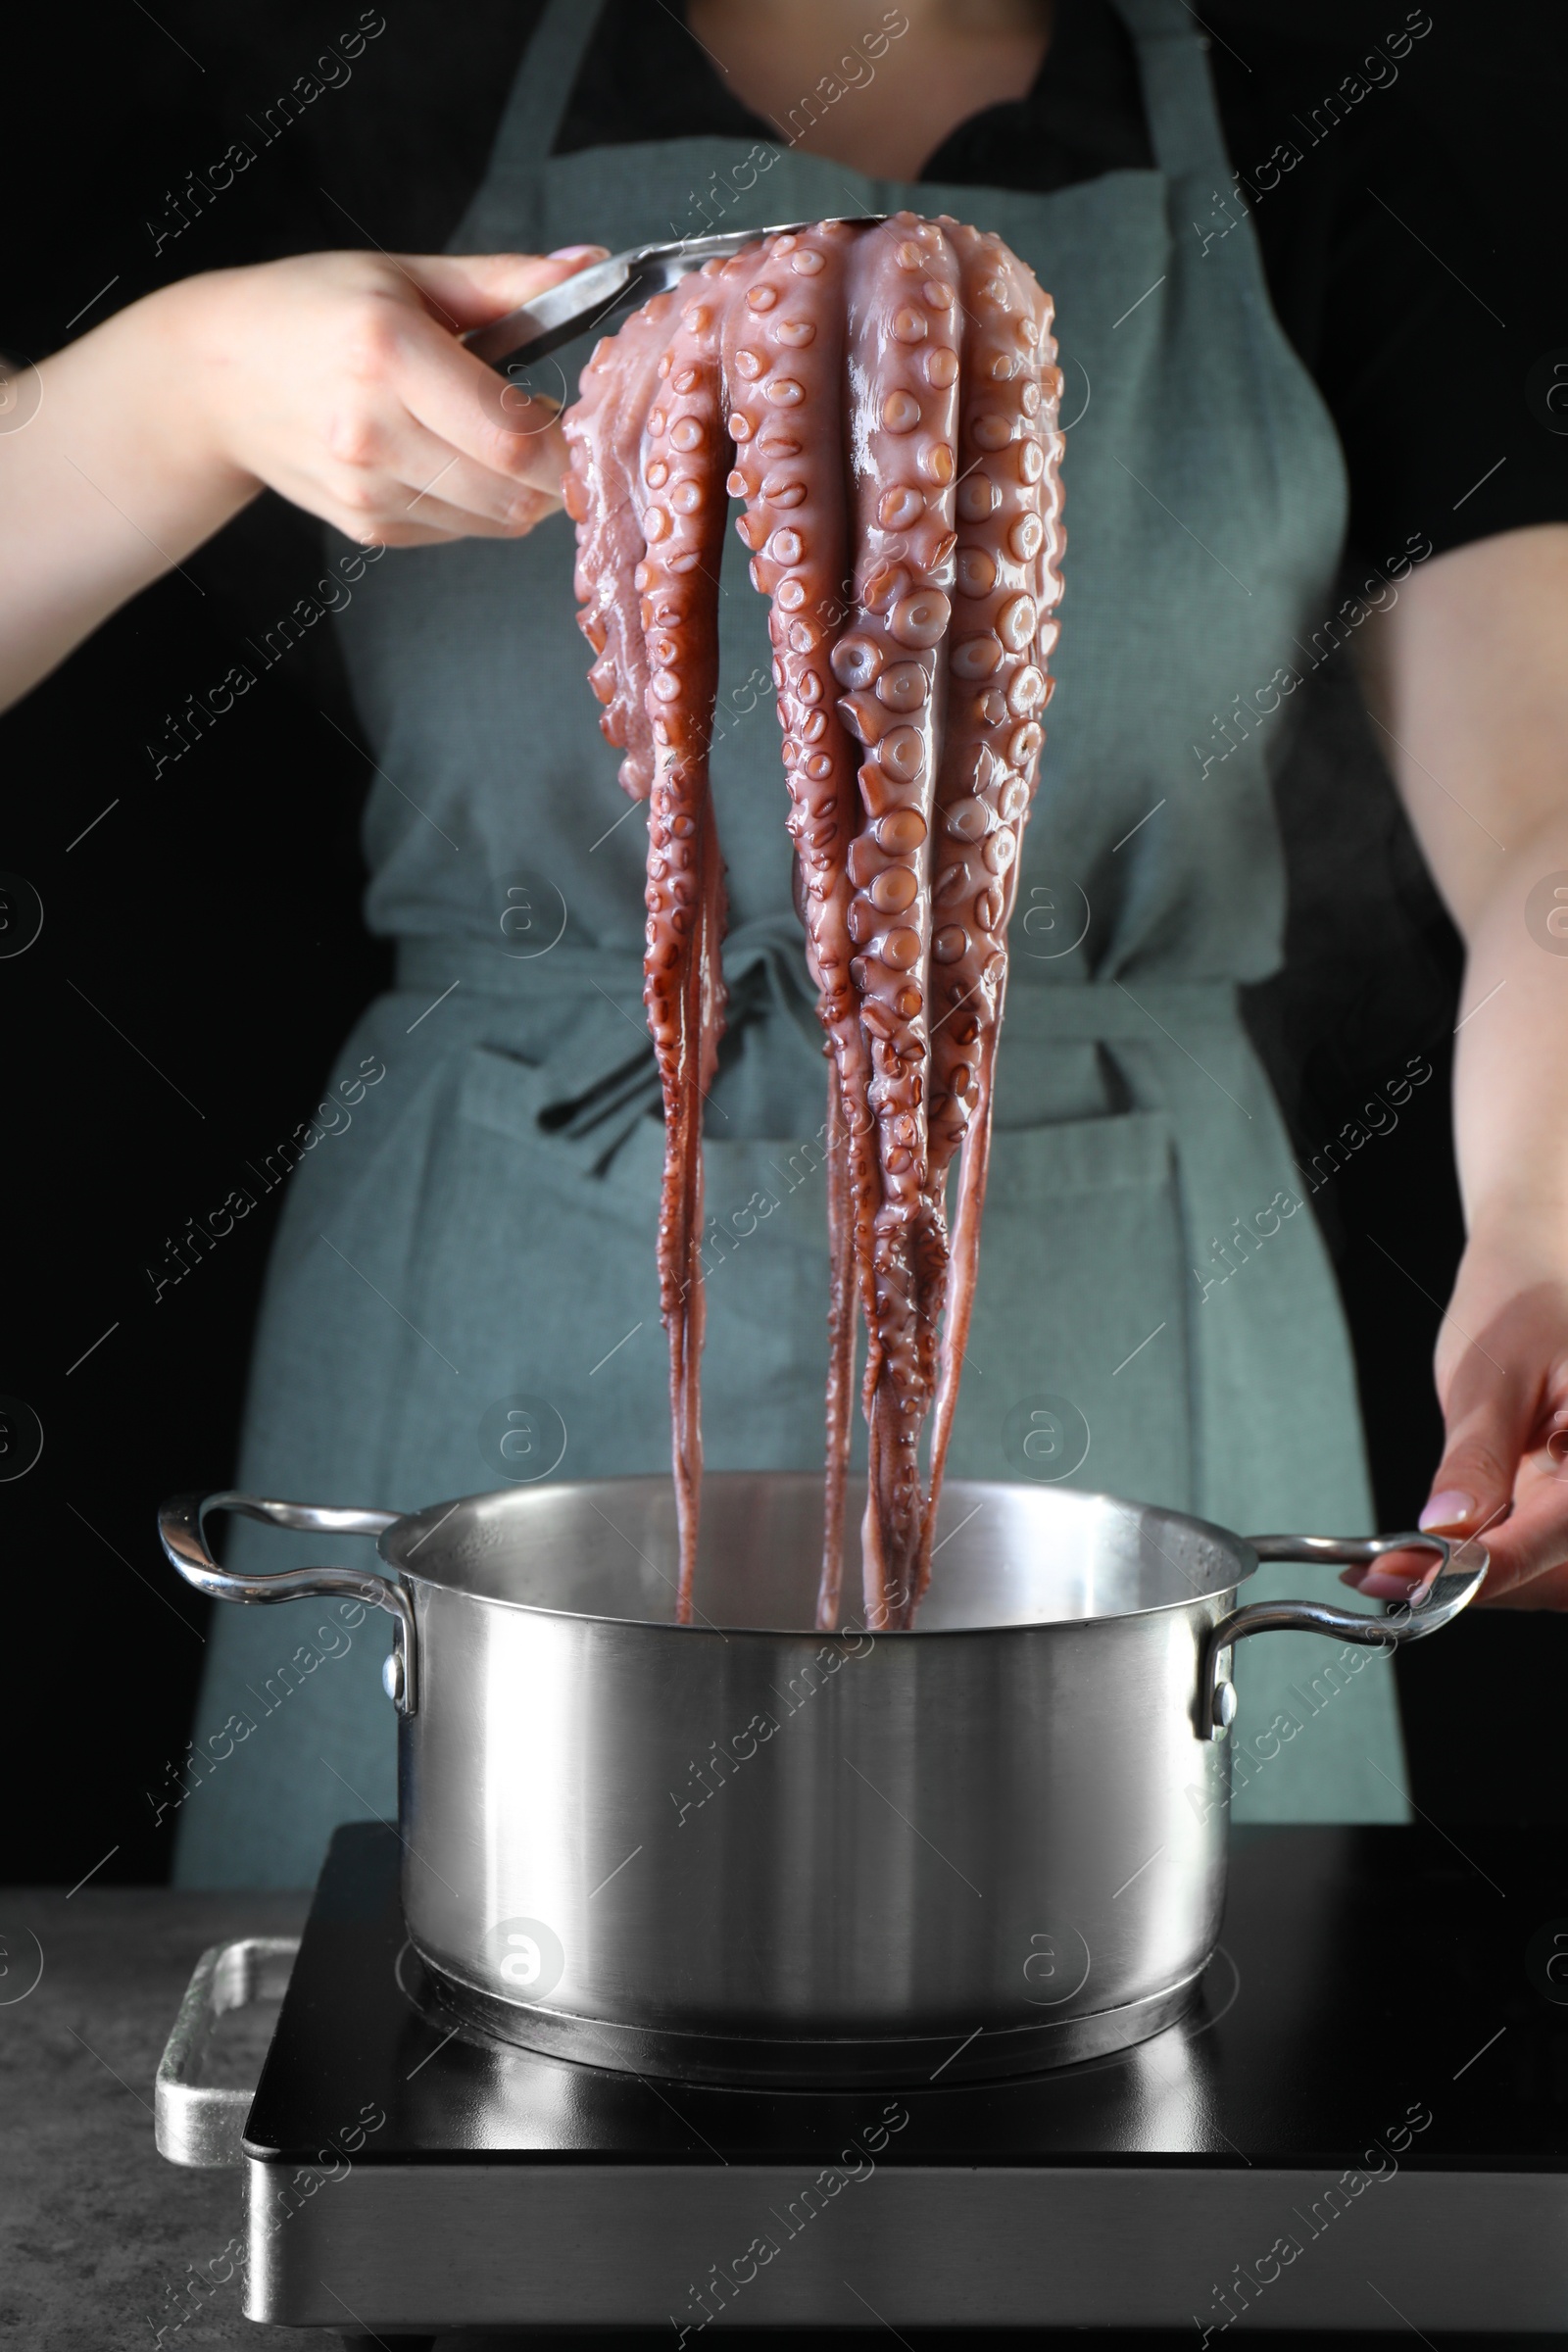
(784, 365)
(840, 1354)
(1007, 584)
(604, 498)
(904, 368)
(682, 460)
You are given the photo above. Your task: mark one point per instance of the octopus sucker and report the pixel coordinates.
(882, 400)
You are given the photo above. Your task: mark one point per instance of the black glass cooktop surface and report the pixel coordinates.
(1380, 2001)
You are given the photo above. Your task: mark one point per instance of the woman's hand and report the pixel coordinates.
(337, 378)
(1468, 683)
(1502, 1382)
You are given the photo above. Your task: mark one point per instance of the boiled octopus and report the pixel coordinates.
(883, 399)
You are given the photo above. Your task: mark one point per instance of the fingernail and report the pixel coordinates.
(1378, 1585)
(1446, 1509)
(580, 253)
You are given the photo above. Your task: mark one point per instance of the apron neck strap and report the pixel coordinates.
(545, 78)
(1184, 125)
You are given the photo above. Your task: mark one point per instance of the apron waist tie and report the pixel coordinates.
(764, 973)
(597, 1073)
(765, 968)
(770, 951)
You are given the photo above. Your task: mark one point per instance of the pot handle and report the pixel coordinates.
(1449, 1591)
(182, 1530)
(200, 2122)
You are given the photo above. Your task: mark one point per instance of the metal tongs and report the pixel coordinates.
(607, 290)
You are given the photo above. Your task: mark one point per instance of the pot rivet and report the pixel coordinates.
(392, 1680)
(1224, 1703)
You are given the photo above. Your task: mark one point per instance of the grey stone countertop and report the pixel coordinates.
(103, 2242)
(100, 2237)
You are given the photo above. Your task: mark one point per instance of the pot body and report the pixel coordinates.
(745, 1850)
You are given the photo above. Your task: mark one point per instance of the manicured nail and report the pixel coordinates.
(1448, 1509)
(1379, 1584)
(580, 253)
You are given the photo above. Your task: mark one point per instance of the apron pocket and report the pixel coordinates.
(549, 1268)
(1076, 1369)
(544, 1274)
(535, 1279)
(605, 1136)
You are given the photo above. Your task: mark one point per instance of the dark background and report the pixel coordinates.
(202, 953)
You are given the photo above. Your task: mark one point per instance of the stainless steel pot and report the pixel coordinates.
(742, 1851)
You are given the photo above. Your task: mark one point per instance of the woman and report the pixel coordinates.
(462, 1291)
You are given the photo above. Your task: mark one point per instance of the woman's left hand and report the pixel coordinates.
(1467, 684)
(1502, 1382)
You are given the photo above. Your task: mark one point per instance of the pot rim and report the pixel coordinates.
(1241, 1553)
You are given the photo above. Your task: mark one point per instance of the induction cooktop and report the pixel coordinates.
(1361, 2125)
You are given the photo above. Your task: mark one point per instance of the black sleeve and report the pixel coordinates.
(1398, 186)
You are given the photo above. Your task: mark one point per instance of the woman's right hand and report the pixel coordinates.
(338, 379)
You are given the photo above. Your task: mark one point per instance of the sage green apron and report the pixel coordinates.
(464, 1289)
